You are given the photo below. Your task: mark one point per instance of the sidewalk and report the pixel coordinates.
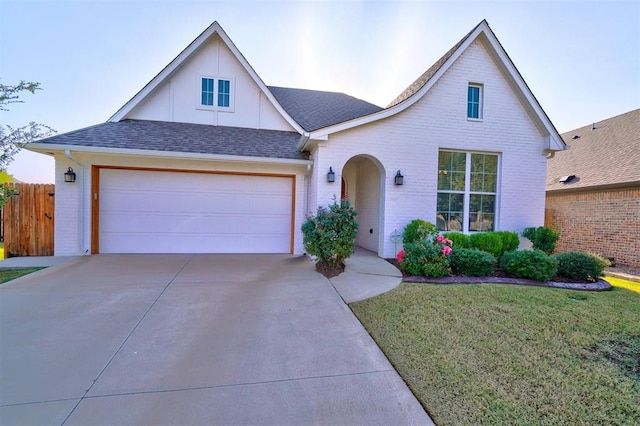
(34, 261)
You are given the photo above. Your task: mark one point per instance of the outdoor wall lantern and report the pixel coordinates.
(399, 179)
(70, 175)
(331, 176)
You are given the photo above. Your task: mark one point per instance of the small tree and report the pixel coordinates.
(330, 235)
(12, 139)
(542, 237)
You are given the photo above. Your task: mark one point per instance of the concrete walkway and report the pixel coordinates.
(194, 339)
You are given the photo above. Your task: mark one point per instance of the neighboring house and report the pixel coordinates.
(207, 158)
(593, 189)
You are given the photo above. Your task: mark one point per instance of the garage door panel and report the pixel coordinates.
(175, 212)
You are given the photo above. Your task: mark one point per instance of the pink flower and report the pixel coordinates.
(400, 256)
(446, 250)
(440, 239)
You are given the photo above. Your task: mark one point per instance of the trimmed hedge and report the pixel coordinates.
(543, 238)
(532, 264)
(424, 258)
(579, 266)
(459, 239)
(472, 262)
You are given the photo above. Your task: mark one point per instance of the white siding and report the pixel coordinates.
(177, 99)
(410, 140)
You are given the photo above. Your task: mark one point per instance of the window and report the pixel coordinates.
(215, 93)
(467, 191)
(207, 91)
(474, 101)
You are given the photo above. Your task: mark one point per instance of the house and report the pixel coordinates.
(208, 158)
(593, 189)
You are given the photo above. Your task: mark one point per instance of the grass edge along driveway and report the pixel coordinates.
(11, 274)
(478, 354)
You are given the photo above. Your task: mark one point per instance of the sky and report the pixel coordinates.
(581, 59)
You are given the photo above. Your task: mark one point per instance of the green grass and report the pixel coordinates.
(12, 274)
(492, 354)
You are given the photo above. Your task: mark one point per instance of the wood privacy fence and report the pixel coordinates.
(28, 220)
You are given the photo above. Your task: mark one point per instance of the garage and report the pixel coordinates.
(151, 211)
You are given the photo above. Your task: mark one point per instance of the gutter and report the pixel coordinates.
(81, 221)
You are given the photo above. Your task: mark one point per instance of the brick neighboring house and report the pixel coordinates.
(593, 189)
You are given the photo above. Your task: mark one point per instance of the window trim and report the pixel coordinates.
(480, 88)
(216, 82)
(466, 193)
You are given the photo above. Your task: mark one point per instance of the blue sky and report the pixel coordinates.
(580, 59)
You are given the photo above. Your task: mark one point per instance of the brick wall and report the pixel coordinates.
(606, 222)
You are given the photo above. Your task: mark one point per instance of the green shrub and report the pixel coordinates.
(533, 264)
(603, 261)
(424, 258)
(510, 241)
(419, 230)
(579, 266)
(459, 239)
(487, 241)
(472, 262)
(331, 234)
(543, 238)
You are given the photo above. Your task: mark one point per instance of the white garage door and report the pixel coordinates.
(175, 212)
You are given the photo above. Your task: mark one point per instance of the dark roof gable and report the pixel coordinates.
(184, 137)
(603, 154)
(314, 109)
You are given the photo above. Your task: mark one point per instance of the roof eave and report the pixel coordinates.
(51, 149)
(621, 185)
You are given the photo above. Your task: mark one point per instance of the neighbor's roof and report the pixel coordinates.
(180, 137)
(604, 154)
(314, 109)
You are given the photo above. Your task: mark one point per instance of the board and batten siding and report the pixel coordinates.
(178, 98)
(410, 141)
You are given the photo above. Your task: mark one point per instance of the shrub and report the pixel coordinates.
(579, 266)
(543, 238)
(459, 239)
(428, 258)
(533, 264)
(331, 234)
(510, 241)
(487, 241)
(472, 262)
(419, 230)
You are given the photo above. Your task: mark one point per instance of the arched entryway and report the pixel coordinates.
(362, 185)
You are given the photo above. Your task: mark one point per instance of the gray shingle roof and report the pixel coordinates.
(314, 109)
(424, 78)
(184, 137)
(608, 155)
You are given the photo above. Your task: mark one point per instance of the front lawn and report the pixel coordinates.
(12, 274)
(500, 354)
(619, 282)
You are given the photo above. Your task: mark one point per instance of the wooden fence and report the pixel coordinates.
(28, 220)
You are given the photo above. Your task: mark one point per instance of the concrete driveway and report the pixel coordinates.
(190, 339)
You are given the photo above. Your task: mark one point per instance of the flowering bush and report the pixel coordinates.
(428, 257)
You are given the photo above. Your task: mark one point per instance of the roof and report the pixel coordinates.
(604, 154)
(181, 137)
(415, 91)
(314, 109)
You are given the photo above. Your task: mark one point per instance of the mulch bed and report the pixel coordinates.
(501, 277)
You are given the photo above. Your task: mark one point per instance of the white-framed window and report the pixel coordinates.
(474, 101)
(468, 189)
(215, 93)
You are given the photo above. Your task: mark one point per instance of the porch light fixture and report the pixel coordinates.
(331, 176)
(399, 179)
(70, 175)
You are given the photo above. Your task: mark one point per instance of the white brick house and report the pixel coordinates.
(207, 158)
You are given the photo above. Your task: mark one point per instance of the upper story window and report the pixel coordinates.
(474, 101)
(216, 93)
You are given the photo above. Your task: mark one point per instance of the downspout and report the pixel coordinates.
(81, 221)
